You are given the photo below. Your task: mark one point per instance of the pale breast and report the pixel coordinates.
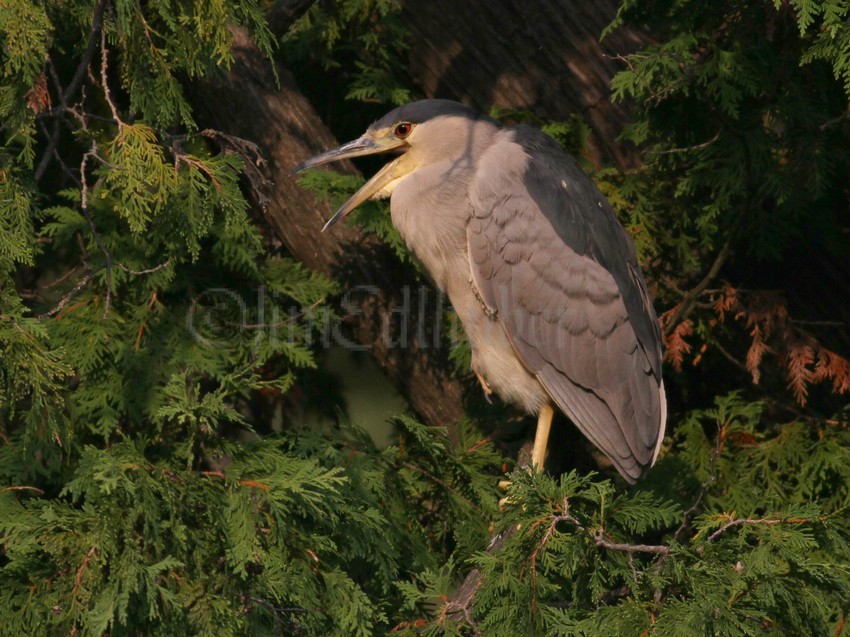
(431, 211)
(429, 208)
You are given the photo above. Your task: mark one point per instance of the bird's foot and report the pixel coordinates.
(488, 391)
(506, 501)
(524, 461)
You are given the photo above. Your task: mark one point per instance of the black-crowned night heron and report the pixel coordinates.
(534, 261)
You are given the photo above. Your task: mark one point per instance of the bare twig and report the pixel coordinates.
(817, 323)
(836, 120)
(657, 549)
(79, 74)
(691, 512)
(688, 517)
(104, 79)
(84, 206)
(256, 166)
(156, 268)
(277, 612)
(142, 326)
(68, 93)
(687, 304)
(712, 478)
(189, 161)
(599, 536)
(53, 142)
(77, 113)
(564, 516)
(147, 30)
(65, 299)
(79, 579)
(732, 359)
(22, 488)
(88, 277)
(765, 521)
(684, 149)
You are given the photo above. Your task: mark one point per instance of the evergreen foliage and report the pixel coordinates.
(361, 41)
(145, 313)
(736, 533)
(743, 113)
(302, 534)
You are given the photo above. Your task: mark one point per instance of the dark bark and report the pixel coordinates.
(383, 297)
(540, 55)
(462, 602)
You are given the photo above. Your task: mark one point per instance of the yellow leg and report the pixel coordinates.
(541, 436)
(538, 452)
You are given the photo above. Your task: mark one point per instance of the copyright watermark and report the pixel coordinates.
(413, 316)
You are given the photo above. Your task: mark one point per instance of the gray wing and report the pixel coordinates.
(551, 260)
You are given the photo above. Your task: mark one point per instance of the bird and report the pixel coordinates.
(541, 273)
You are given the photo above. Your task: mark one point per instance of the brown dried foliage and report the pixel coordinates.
(675, 345)
(765, 315)
(38, 97)
(773, 334)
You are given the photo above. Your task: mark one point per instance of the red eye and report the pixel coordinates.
(403, 130)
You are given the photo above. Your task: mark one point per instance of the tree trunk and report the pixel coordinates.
(389, 313)
(540, 55)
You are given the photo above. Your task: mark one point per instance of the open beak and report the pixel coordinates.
(357, 148)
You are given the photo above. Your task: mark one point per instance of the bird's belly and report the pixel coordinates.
(493, 356)
(438, 239)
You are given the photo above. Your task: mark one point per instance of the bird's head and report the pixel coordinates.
(419, 132)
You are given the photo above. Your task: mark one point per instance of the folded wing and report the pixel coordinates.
(553, 263)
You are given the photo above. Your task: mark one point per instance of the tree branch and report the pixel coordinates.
(78, 580)
(687, 304)
(104, 79)
(84, 206)
(656, 549)
(684, 149)
(156, 268)
(743, 521)
(22, 488)
(65, 299)
(76, 81)
(80, 73)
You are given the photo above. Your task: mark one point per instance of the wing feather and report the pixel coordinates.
(553, 263)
